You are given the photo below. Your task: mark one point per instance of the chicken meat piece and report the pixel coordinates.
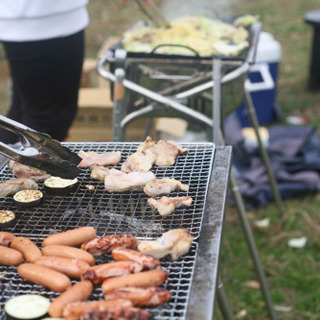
(102, 159)
(118, 181)
(176, 243)
(148, 144)
(166, 205)
(163, 186)
(99, 172)
(167, 152)
(12, 186)
(139, 162)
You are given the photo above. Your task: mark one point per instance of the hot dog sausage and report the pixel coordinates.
(68, 252)
(54, 280)
(149, 278)
(29, 249)
(99, 273)
(73, 238)
(10, 257)
(78, 292)
(73, 268)
(6, 238)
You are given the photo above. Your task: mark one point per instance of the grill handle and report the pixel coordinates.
(175, 45)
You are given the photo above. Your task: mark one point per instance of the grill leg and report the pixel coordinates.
(224, 302)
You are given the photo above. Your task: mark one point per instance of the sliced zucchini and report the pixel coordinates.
(59, 186)
(27, 306)
(28, 198)
(7, 218)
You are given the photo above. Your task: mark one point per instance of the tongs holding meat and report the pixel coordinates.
(40, 151)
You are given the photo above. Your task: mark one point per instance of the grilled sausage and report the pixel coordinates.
(29, 249)
(106, 244)
(76, 310)
(73, 238)
(78, 292)
(6, 238)
(101, 272)
(68, 252)
(54, 280)
(147, 262)
(73, 268)
(141, 297)
(9, 256)
(149, 278)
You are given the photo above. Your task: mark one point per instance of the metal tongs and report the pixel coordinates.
(40, 151)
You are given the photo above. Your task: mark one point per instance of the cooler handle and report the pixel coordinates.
(267, 82)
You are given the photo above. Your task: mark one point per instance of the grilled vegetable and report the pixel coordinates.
(59, 186)
(27, 306)
(28, 198)
(7, 218)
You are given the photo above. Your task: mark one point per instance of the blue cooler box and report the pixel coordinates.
(262, 81)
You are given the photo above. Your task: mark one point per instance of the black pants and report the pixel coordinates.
(46, 79)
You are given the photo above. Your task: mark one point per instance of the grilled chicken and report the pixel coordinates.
(148, 144)
(22, 171)
(102, 159)
(117, 181)
(163, 186)
(166, 205)
(99, 172)
(146, 262)
(167, 152)
(141, 297)
(139, 161)
(12, 186)
(175, 242)
(102, 245)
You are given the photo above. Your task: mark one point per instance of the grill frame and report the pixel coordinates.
(181, 272)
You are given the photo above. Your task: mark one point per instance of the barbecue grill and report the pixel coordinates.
(192, 279)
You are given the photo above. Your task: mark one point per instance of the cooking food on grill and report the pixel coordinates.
(28, 248)
(7, 219)
(80, 291)
(6, 238)
(118, 181)
(97, 274)
(176, 242)
(10, 257)
(102, 159)
(54, 280)
(101, 245)
(68, 252)
(150, 278)
(166, 205)
(76, 310)
(28, 198)
(163, 186)
(198, 33)
(74, 238)
(59, 186)
(22, 171)
(12, 186)
(99, 172)
(27, 306)
(139, 162)
(141, 297)
(73, 268)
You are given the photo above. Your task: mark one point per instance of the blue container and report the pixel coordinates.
(262, 81)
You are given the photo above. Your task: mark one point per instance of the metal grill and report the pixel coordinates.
(126, 212)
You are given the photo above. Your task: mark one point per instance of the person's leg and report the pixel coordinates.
(46, 79)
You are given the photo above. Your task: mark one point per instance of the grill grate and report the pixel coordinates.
(126, 212)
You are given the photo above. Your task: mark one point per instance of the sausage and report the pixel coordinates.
(9, 256)
(147, 262)
(6, 238)
(80, 291)
(54, 280)
(99, 273)
(68, 252)
(149, 278)
(29, 249)
(73, 268)
(73, 238)
(77, 309)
